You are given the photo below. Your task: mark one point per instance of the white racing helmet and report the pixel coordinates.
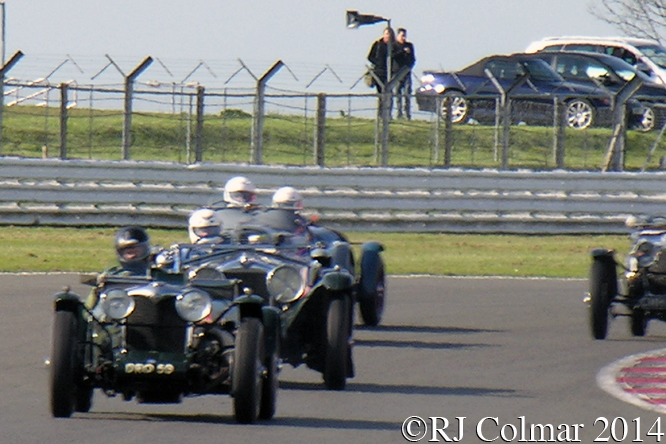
(239, 191)
(288, 197)
(205, 227)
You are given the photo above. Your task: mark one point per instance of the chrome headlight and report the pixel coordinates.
(285, 284)
(193, 305)
(645, 253)
(116, 303)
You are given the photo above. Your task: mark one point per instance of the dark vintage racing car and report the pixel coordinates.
(313, 282)
(161, 337)
(639, 289)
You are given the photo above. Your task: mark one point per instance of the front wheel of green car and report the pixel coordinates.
(269, 388)
(63, 360)
(337, 344)
(602, 291)
(246, 382)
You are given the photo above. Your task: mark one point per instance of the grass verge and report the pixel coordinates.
(91, 249)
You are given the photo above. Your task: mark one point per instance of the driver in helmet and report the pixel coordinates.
(239, 196)
(284, 213)
(205, 227)
(132, 245)
(133, 251)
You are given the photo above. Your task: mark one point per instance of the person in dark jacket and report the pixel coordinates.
(378, 57)
(403, 57)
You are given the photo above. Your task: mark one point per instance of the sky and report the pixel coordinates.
(203, 40)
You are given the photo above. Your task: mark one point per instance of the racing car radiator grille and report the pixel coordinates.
(659, 265)
(155, 325)
(250, 279)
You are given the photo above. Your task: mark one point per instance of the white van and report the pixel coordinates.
(647, 55)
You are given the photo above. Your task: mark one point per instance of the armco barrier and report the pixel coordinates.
(113, 193)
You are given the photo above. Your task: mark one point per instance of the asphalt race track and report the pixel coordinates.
(499, 349)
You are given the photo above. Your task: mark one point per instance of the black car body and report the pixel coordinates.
(530, 83)
(312, 280)
(638, 289)
(611, 73)
(161, 337)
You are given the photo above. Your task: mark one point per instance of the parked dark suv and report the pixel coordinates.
(475, 90)
(612, 73)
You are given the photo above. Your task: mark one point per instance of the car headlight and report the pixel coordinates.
(645, 253)
(116, 303)
(285, 284)
(193, 305)
(439, 89)
(428, 78)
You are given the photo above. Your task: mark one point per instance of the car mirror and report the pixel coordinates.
(89, 279)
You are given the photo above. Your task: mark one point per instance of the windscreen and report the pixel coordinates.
(656, 53)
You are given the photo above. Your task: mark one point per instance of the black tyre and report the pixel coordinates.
(337, 344)
(603, 287)
(638, 323)
(460, 107)
(83, 399)
(246, 383)
(63, 361)
(269, 387)
(371, 303)
(580, 114)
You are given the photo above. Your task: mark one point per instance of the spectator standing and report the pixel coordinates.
(403, 57)
(378, 57)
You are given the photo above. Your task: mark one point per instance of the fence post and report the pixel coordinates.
(448, 132)
(320, 128)
(438, 119)
(505, 112)
(3, 70)
(386, 98)
(63, 120)
(615, 156)
(198, 137)
(560, 121)
(257, 148)
(127, 113)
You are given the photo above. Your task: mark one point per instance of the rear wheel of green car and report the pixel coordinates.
(638, 323)
(371, 301)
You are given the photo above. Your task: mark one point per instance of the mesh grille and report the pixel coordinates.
(155, 325)
(252, 279)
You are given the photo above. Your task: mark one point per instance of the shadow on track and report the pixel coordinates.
(425, 329)
(406, 389)
(303, 422)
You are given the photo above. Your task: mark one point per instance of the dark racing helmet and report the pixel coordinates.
(132, 246)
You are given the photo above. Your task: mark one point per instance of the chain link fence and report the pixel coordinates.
(188, 123)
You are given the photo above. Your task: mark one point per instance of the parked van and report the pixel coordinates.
(646, 55)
